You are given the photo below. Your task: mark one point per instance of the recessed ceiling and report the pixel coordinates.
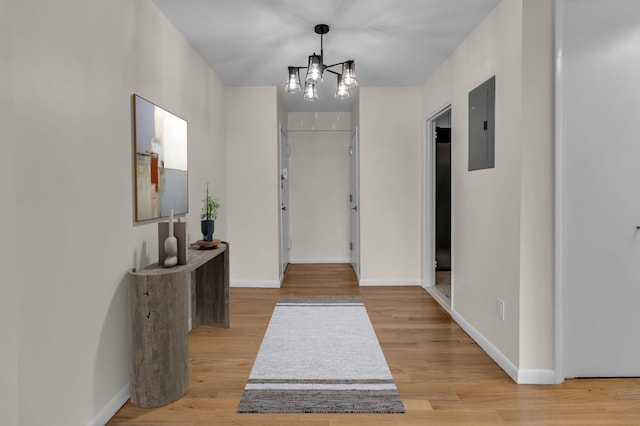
(393, 42)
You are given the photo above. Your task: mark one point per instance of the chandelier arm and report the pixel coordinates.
(339, 63)
(332, 71)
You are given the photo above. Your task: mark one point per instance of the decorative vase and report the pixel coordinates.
(171, 245)
(207, 226)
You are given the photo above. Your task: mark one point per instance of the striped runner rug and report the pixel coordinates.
(320, 355)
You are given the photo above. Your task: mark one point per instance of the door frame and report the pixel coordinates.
(429, 205)
(284, 246)
(559, 194)
(354, 185)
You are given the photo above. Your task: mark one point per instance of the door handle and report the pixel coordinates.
(284, 208)
(354, 208)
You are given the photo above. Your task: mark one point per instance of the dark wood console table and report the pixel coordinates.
(158, 321)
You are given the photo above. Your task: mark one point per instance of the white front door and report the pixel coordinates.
(601, 191)
(285, 242)
(354, 201)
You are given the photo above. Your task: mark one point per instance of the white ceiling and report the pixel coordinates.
(393, 42)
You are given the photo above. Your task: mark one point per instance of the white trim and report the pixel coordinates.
(284, 251)
(520, 376)
(428, 253)
(428, 206)
(428, 200)
(355, 135)
(391, 282)
(559, 195)
(112, 407)
(500, 358)
(536, 377)
(255, 283)
(439, 297)
(336, 260)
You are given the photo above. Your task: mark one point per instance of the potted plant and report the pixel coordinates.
(209, 213)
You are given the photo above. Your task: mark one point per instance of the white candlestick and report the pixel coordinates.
(171, 222)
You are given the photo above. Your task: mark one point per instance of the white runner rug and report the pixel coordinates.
(320, 355)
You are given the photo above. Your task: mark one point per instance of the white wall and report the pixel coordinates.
(355, 112)
(502, 217)
(537, 326)
(319, 181)
(390, 186)
(253, 182)
(76, 65)
(8, 256)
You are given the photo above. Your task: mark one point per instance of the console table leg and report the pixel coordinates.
(212, 293)
(158, 339)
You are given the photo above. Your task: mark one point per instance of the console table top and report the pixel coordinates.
(195, 259)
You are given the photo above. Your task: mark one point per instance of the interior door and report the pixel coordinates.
(285, 242)
(601, 191)
(354, 201)
(443, 199)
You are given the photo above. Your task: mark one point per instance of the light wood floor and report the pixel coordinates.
(443, 377)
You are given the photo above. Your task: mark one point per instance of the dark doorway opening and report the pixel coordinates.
(443, 199)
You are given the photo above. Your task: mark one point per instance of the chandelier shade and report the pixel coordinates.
(342, 91)
(293, 84)
(310, 91)
(349, 74)
(314, 69)
(346, 79)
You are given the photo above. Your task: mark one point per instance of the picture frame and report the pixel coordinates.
(160, 150)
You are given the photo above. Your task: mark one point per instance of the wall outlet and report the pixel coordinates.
(500, 308)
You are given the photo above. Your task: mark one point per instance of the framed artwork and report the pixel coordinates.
(160, 164)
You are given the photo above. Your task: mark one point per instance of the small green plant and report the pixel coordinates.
(210, 207)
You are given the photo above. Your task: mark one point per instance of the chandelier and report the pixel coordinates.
(346, 79)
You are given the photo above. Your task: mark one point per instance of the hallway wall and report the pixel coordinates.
(503, 216)
(252, 165)
(537, 285)
(75, 66)
(9, 379)
(390, 186)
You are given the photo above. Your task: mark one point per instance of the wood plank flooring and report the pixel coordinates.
(443, 377)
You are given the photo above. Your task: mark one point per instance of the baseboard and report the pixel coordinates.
(536, 377)
(337, 260)
(109, 410)
(520, 376)
(439, 297)
(500, 358)
(391, 282)
(255, 283)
